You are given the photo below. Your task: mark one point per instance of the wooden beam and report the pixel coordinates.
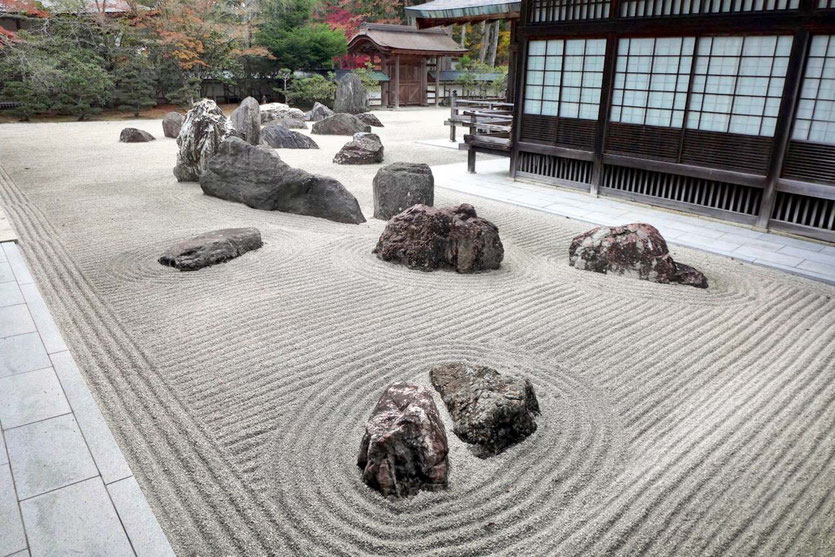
(423, 82)
(785, 120)
(437, 80)
(606, 90)
(397, 81)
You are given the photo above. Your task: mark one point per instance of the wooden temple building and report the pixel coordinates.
(406, 55)
(724, 108)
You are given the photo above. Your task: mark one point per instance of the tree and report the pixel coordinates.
(135, 85)
(313, 46)
(309, 90)
(50, 72)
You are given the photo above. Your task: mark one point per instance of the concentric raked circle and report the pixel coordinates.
(353, 255)
(315, 484)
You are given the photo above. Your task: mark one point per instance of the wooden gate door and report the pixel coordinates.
(410, 82)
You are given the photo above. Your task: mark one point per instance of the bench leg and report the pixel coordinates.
(471, 161)
(452, 133)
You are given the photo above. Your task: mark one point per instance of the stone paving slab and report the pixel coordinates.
(79, 519)
(810, 259)
(7, 233)
(64, 484)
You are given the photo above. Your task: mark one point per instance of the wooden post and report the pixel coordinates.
(437, 80)
(452, 115)
(606, 90)
(424, 95)
(783, 128)
(397, 81)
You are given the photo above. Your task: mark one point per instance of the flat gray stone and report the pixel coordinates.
(6, 274)
(31, 397)
(211, 248)
(47, 455)
(351, 96)
(22, 353)
(15, 259)
(4, 459)
(15, 320)
(51, 336)
(106, 452)
(171, 124)
(10, 294)
(12, 536)
(77, 520)
(139, 521)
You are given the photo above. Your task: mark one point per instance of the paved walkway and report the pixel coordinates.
(65, 487)
(800, 257)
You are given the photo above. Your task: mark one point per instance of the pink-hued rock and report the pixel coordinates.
(404, 449)
(636, 249)
(426, 238)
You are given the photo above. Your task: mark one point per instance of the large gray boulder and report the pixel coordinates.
(351, 96)
(204, 128)
(637, 250)
(246, 119)
(134, 135)
(318, 112)
(370, 119)
(171, 124)
(211, 248)
(258, 178)
(400, 185)
(365, 148)
(290, 122)
(426, 238)
(404, 448)
(277, 136)
(279, 111)
(488, 410)
(340, 124)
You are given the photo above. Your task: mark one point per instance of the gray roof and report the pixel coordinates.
(463, 9)
(405, 38)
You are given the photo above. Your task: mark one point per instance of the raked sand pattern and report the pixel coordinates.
(675, 421)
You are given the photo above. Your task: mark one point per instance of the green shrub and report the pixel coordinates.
(308, 90)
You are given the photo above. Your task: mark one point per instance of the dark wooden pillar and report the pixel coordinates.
(519, 69)
(606, 90)
(396, 83)
(424, 84)
(437, 80)
(783, 128)
(510, 93)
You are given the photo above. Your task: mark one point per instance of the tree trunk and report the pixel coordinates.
(463, 34)
(494, 45)
(483, 52)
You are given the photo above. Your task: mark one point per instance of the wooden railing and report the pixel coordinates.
(489, 125)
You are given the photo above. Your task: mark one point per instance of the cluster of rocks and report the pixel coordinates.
(636, 250)
(213, 247)
(427, 238)
(134, 135)
(405, 449)
(257, 177)
(364, 148)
